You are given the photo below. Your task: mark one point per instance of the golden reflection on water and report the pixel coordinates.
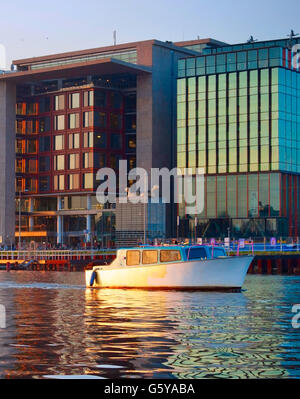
(56, 327)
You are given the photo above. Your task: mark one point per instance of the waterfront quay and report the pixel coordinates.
(54, 260)
(284, 260)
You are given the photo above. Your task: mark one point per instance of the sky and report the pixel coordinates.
(30, 28)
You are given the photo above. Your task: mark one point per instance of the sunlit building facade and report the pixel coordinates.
(238, 117)
(64, 116)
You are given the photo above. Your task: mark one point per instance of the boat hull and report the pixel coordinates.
(213, 274)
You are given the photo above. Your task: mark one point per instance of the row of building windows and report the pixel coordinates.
(91, 98)
(74, 161)
(60, 182)
(89, 119)
(239, 122)
(90, 140)
(127, 55)
(243, 195)
(234, 61)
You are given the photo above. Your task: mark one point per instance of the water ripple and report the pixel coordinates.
(58, 329)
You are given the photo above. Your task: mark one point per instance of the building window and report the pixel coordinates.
(74, 100)
(59, 122)
(88, 180)
(44, 105)
(31, 166)
(88, 139)
(88, 119)
(59, 162)
(130, 121)
(44, 164)
(131, 163)
(114, 161)
(44, 124)
(59, 102)
(19, 166)
(87, 160)
(130, 143)
(73, 161)
(99, 160)
(88, 98)
(59, 143)
(73, 182)
(116, 141)
(73, 121)
(100, 119)
(115, 121)
(31, 108)
(31, 146)
(100, 98)
(116, 100)
(74, 140)
(30, 185)
(20, 146)
(19, 184)
(44, 144)
(59, 182)
(100, 140)
(44, 183)
(31, 127)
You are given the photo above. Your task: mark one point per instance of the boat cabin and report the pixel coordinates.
(159, 255)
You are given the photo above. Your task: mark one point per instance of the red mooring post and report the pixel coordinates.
(290, 266)
(298, 267)
(269, 266)
(279, 266)
(7, 266)
(260, 266)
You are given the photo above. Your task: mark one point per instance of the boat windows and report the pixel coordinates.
(195, 253)
(170, 256)
(133, 258)
(219, 252)
(150, 257)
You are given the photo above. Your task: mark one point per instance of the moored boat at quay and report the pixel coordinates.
(175, 267)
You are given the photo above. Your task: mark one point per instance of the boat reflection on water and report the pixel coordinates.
(184, 335)
(57, 327)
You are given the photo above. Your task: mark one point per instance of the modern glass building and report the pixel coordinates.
(238, 117)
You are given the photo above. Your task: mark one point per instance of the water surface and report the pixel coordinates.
(55, 327)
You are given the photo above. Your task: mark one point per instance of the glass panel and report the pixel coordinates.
(132, 258)
(242, 196)
(150, 257)
(170, 256)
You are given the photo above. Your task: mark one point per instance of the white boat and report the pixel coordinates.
(175, 267)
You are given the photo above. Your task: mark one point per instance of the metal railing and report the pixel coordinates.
(55, 254)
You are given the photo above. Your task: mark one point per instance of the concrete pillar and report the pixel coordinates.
(60, 229)
(89, 227)
(144, 123)
(7, 161)
(89, 218)
(31, 221)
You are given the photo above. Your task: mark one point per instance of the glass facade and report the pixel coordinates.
(238, 117)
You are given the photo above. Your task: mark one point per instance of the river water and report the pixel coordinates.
(55, 327)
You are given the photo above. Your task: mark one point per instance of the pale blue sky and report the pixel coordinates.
(34, 27)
